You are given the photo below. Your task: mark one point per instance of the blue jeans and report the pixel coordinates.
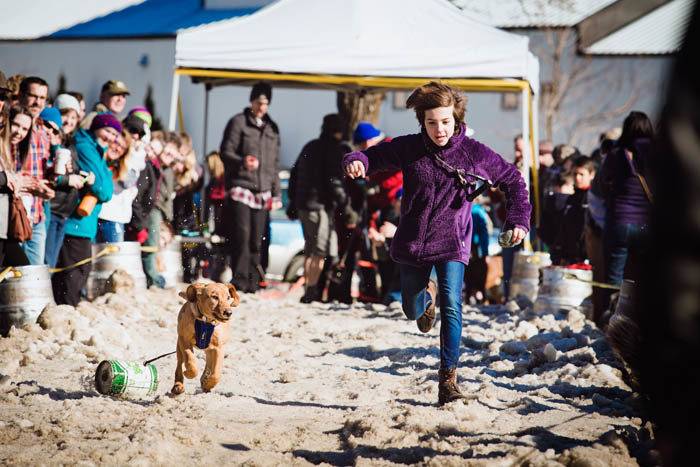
(54, 239)
(620, 241)
(35, 247)
(109, 232)
(415, 300)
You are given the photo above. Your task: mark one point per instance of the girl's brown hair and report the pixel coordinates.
(436, 94)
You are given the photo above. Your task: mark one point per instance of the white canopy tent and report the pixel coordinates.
(387, 44)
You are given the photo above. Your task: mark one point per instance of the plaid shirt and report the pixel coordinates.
(247, 197)
(35, 165)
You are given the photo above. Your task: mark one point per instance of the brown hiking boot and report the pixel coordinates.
(427, 319)
(448, 391)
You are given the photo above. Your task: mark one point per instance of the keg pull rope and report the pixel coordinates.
(158, 358)
(600, 285)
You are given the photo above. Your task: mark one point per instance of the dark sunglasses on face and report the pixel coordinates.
(51, 129)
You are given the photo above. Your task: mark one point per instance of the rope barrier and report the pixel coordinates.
(600, 285)
(108, 250)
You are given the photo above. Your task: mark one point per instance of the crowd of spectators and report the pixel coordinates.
(83, 178)
(108, 176)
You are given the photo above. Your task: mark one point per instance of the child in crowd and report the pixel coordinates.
(569, 245)
(116, 213)
(553, 205)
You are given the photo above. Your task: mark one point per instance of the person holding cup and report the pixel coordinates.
(442, 170)
(81, 225)
(67, 177)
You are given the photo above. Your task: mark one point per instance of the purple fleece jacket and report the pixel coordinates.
(436, 222)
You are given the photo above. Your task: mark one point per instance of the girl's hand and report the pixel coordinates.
(511, 238)
(355, 169)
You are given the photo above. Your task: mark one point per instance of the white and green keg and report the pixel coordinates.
(126, 379)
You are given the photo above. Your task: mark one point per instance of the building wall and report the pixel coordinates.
(607, 88)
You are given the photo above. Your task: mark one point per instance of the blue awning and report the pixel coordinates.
(152, 18)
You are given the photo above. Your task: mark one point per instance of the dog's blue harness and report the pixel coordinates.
(203, 332)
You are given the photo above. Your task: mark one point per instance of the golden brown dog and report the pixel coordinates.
(212, 304)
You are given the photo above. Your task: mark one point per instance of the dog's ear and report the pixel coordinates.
(234, 294)
(190, 294)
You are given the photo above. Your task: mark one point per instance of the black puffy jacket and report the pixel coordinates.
(243, 137)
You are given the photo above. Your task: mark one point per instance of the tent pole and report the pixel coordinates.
(174, 98)
(534, 125)
(207, 88)
(527, 153)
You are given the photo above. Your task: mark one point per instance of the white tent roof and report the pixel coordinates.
(388, 38)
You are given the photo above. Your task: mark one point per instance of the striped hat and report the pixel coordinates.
(143, 114)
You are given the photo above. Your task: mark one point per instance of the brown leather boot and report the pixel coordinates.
(427, 320)
(448, 391)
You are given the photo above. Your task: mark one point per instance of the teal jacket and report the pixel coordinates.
(90, 159)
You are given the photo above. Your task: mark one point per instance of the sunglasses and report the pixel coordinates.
(51, 129)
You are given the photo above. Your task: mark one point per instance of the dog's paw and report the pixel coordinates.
(208, 381)
(178, 389)
(190, 372)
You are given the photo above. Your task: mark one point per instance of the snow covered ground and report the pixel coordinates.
(318, 383)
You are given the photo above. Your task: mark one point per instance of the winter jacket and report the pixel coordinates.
(67, 197)
(436, 224)
(118, 209)
(145, 199)
(90, 159)
(569, 246)
(185, 207)
(626, 202)
(165, 190)
(553, 205)
(316, 178)
(243, 137)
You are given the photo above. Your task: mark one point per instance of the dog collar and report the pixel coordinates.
(202, 317)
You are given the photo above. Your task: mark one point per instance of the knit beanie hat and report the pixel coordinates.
(143, 114)
(66, 101)
(332, 123)
(134, 124)
(364, 132)
(52, 115)
(105, 120)
(261, 88)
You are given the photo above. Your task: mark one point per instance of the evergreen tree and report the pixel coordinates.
(151, 106)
